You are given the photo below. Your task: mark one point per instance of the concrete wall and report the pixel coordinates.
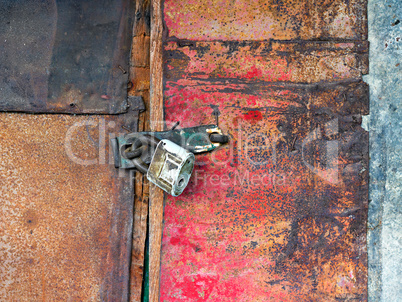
(384, 123)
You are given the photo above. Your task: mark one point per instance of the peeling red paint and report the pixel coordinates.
(277, 61)
(253, 116)
(237, 230)
(267, 217)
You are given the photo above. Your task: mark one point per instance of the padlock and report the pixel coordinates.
(171, 167)
(166, 157)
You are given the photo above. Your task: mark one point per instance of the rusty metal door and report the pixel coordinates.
(279, 214)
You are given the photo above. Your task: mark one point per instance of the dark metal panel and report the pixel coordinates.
(65, 211)
(65, 56)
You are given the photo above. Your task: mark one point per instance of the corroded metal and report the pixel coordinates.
(65, 56)
(261, 20)
(271, 61)
(279, 214)
(66, 214)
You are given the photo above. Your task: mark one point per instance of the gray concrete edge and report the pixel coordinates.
(384, 123)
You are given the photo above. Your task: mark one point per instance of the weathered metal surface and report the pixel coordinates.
(258, 220)
(65, 56)
(273, 61)
(66, 214)
(261, 20)
(337, 98)
(279, 214)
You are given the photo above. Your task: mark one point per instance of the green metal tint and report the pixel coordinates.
(145, 289)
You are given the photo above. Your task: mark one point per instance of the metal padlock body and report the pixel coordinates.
(171, 167)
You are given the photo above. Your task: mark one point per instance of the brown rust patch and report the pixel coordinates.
(64, 226)
(30, 219)
(297, 62)
(260, 20)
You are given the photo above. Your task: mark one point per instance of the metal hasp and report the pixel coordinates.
(166, 157)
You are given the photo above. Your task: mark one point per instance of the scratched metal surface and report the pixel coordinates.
(65, 56)
(65, 225)
(280, 213)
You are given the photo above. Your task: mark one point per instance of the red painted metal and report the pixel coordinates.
(279, 214)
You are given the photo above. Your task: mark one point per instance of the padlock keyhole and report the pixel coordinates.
(181, 182)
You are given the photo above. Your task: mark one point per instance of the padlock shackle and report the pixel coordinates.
(141, 145)
(140, 165)
(129, 153)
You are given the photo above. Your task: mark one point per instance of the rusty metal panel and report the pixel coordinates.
(266, 19)
(65, 56)
(273, 61)
(280, 213)
(270, 216)
(65, 213)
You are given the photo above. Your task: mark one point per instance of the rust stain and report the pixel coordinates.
(297, 62)
(63, 225)
(255, 221)
(279, 214)
(261, 20)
